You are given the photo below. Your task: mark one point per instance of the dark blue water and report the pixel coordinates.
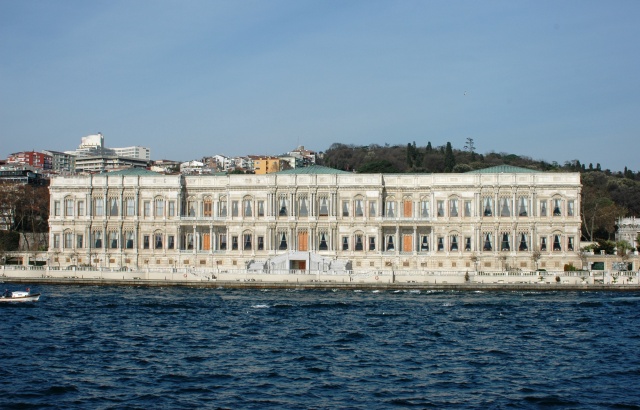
(102, 348)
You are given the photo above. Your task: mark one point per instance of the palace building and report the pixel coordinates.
(317, 218)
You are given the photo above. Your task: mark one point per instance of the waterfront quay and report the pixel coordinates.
(292, 279)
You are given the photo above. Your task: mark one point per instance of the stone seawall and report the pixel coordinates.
(297, 282)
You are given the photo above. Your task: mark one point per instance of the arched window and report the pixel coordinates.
(283, 241)
(454, 243)
(488, 245)
(359, 242)
(323, 246)
(505, 244)
(247, 243)
(453, 207)
(487, 206)
(324, 206)
(207, 207)
(505, 207)
(303, 208)
(247, 206)
(283, 206)
(222, 207)
(113, 206)
(523, 242)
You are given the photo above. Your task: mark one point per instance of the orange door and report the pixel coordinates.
(303, 241)
(407, 209)
(407, 243)
(206, 242)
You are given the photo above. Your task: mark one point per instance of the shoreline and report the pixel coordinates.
(236, 284)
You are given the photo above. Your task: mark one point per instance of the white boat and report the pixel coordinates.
(19, 296)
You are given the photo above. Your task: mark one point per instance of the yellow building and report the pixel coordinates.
(266, 165)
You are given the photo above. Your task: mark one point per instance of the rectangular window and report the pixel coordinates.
(359, 243)
(372, 243)
(283, 207)
(488, 242)
(248, 210)
(260, 209)
(223, 242)
(407, 210)
(145, 241)
(424, 243)
(324, 207)
(557, 203)
(113, 240)
(68, 205)
(487, 206)
(113, 207)
(543, 208)
(68, 240)
(247, 242)
(440, 244)
(570, 208)
(345, 243)
(345, 208)
(391, 209)
(99, 207)
(260, 243)
(467, 243)
(97, 237)
(373, 206)
(79, 241)
(505, 244)
(570, 243)
(424, 209)
(543, 244)
(467, 209)
(523, 246)
(56, 241)
(147, 209)
(234, 243)
(172, 208)
(159, 211)
(453, 243)
(131, 207)
(390, 246)
(359, 211)
(234, 209)
(323, 242)
(223, 209)
(129, 240)
(522, 207)
(207, 208)
(303, 209)
(453, 208)
(81, 209)
(56, 208)
(171, 242)
(158, 241)
(505, 207)
(440, 208)
(283, 241)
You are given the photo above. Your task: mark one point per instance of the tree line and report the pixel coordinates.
(24, 215)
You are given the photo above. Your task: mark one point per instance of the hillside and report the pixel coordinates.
(606, 195)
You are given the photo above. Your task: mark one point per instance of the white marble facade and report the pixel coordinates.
(489, 220)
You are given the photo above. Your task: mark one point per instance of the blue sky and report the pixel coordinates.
(552, 80)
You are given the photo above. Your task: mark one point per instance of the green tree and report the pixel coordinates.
(449, 158)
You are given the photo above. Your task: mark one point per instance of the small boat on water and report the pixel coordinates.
(19, 296)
